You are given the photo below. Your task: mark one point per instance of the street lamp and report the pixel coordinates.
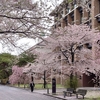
(44, 75)
(54, 82)
(44, 78)
(32, 78)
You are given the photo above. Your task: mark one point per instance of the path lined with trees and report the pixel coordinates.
(11, 93)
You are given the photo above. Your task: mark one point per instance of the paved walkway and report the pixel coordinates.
(92, 93)
(59, 94)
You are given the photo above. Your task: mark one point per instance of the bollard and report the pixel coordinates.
(47, 90)
(53, 86)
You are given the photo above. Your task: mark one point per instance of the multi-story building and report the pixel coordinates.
(71, 12)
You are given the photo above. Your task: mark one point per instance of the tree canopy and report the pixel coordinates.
(22, 19)
(25, 19)
(71, 48)
(6, 62)
(18, 76)
(24, 59)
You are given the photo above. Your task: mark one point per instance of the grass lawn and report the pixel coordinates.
(92, 99)
(40, 86)
(92, 95)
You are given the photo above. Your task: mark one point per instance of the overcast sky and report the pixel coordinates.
(27, 43)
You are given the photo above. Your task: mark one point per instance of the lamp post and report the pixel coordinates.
(54, 82)
(44, 78)
(44, 75)
(32, 77)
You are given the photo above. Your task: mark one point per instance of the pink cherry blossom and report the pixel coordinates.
(18, 76)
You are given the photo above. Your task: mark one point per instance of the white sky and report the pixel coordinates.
(27, 43)
(0, 48)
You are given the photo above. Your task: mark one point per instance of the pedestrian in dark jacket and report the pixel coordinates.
(32, 85)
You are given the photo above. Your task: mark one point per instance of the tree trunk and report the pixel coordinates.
(72, 54)
(71, 80)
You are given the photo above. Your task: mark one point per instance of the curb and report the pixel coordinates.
(54, 96)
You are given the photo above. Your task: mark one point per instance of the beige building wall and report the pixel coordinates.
(69, 19)
(85, 15)
(95, 10)
(76, 16)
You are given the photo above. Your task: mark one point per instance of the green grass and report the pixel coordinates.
(92, 99)
(40, 86)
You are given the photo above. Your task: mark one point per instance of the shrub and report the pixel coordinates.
(71, 83)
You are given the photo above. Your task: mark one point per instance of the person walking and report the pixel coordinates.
(32, 85)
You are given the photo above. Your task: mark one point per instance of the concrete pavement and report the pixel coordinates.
(59, 94)
(92, 92)
(12, 93)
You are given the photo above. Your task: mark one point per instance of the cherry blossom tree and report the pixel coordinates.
(18, 76)
(69, 51)
(71, 48)
(96, 63)
(25, 19)
(22, 19)
(39, 71)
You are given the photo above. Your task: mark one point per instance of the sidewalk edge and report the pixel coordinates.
(54, 96)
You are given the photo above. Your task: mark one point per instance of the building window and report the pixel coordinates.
(65, 20)
(98, 19)
(67, 8)
(88, 45)
(89, 23)
(89, 15)
(81, 14)
(72, 17)
(54, 26)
